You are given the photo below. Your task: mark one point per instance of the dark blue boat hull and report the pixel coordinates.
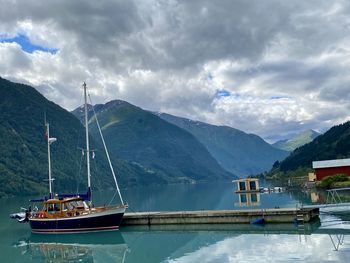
(79, 224)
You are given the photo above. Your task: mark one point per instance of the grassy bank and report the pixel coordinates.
(335, 181)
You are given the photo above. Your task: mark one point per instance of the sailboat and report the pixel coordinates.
(71, 213)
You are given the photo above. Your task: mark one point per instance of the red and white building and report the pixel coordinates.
(331, 167)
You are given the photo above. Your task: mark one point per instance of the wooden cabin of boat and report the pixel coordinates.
(69, 207)
(245, 185)
(61, 208)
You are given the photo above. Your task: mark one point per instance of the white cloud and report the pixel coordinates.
(284, 64)
(267, 248)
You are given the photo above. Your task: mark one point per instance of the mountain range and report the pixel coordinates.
(23, 149)
(158, 146)
(296, 141)
(145, 147)
(238, 152)
(333, 144)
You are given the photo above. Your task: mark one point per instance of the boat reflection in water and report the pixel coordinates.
(92, 247)
(62, 252)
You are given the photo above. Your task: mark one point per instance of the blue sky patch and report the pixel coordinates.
(223, 93)
(279, 97)
(26, 45)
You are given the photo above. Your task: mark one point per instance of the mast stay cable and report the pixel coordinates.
(107, 154)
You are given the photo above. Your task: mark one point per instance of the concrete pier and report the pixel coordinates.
(278, 215)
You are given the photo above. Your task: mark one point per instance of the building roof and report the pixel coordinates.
(331, 163)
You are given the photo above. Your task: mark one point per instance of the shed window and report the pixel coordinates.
(242, 186)
(243, 198)
(252, 185)
(254, 198)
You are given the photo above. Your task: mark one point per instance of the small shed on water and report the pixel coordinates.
(331, 167)
(247, 185)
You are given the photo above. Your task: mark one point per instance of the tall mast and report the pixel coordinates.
(48, 155)
(49, 141)
(87, 138)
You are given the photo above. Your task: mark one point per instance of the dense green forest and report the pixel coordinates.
(334, 144)
(23, 158)
(296, 141)
(23, 149)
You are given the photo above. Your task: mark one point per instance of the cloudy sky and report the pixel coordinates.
(273, 68)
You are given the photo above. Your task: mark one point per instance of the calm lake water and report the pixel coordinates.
(327, 240)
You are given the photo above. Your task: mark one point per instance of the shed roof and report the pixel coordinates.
(331, 163)
(246, 179)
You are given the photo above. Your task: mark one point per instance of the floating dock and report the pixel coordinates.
(277, 215)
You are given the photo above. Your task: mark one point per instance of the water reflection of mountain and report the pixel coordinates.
(158, 243)
(163, 243)
(92, 247)
(189, 243)
(218, 243)
(261, 248)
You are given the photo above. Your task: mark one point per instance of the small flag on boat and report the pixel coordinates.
(47, 138)
(93, 155)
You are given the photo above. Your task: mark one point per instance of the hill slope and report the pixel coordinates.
(139, 136)
(238, 152)
(334, 144)
(297, 141)
(23, 149)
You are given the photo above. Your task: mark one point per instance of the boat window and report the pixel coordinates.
(85, 205)
(53, 207)
(75, 204)
(64, 207)
(81, 204)
(69, 206)
(78, 204)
